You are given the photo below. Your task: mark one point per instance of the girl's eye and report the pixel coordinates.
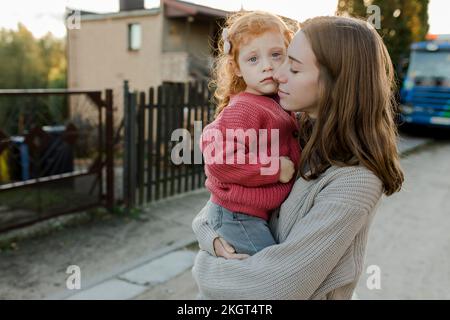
(252, 59)
(276, 55)
(293, 71)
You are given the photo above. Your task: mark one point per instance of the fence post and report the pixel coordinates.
(126, 148)
(132, 144)
(130, 161)
(141, 147)
(150, 158)
(109, 150)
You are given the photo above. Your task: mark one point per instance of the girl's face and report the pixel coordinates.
(258, 59)
(298, 78)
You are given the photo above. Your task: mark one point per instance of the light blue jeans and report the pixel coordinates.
(247, 234)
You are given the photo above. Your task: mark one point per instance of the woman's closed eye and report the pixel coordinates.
(277, 55)
(293, 71)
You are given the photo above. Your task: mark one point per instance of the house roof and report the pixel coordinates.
(172, 9)
(176, 8)
(89, 16)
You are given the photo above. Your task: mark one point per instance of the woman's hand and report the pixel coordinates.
(225, 250)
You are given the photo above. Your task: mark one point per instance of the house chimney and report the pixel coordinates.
(127, 5)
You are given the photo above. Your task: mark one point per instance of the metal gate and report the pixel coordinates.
(56, 154)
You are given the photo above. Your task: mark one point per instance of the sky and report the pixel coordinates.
(42, 16)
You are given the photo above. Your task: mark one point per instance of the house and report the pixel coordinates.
(170, 43)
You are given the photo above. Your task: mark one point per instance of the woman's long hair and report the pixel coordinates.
(356, 107)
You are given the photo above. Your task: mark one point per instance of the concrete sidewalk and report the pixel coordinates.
(118, 256)
(166, 262)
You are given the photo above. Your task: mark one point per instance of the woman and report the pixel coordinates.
(339, 77)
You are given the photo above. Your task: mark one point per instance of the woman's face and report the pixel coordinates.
(298, 77)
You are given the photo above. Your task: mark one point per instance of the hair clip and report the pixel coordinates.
(226, 42)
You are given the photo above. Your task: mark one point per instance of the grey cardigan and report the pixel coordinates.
(321, 230)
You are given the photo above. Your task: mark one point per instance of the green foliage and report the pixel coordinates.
(402, 22)
(122, 211)
(25, 63)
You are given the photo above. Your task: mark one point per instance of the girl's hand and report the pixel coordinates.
(224, 250)
(287, 169)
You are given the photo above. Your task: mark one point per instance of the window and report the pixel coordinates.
(430, 64)
(134, 36)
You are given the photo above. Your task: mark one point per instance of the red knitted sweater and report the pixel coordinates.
(241, 187)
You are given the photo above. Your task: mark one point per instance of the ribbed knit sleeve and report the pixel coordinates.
(295, 268)
(205, 234)
(239, 116)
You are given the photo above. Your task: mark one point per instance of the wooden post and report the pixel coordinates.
(109, 150)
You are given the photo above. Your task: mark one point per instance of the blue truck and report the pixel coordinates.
(425, 93)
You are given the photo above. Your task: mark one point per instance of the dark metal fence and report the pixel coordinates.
(53, 162)
(150, 119)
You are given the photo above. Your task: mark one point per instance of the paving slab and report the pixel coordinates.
(113, 289)
(162, 269)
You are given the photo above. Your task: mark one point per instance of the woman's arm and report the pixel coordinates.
(210, 241)
(204, 232)
(297, 267)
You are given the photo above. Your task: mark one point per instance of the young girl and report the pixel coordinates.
(250, 124)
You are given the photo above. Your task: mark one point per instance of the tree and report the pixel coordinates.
(26, 62)
(21, 64)
(402, 22)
